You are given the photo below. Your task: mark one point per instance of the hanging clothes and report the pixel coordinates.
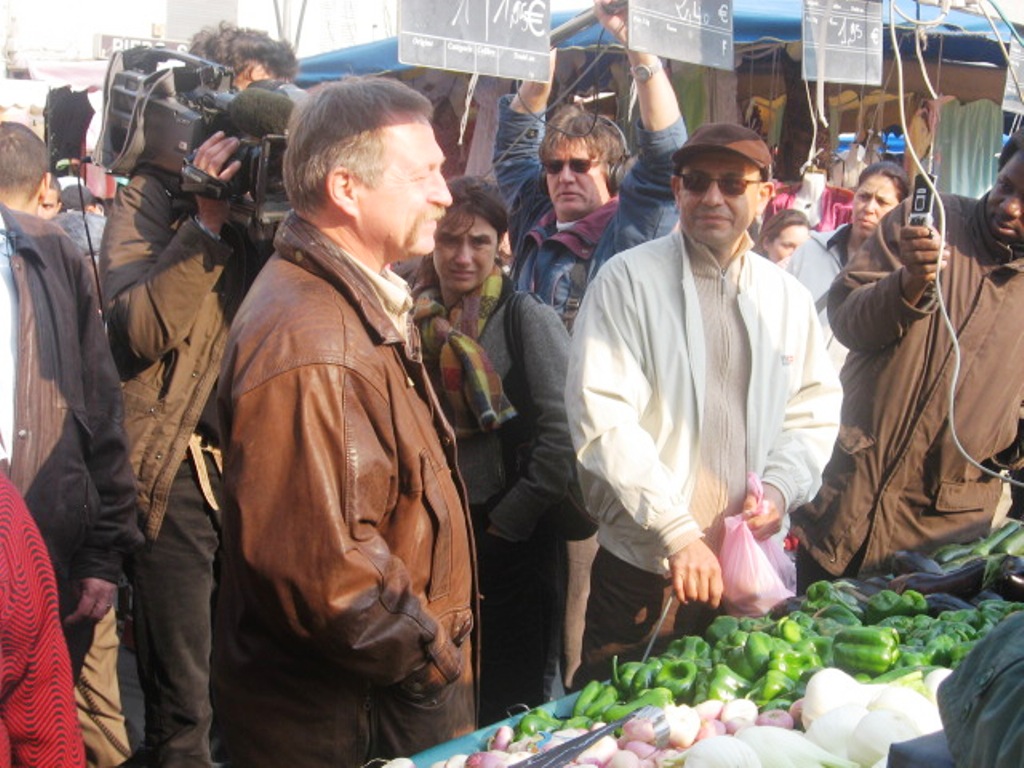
(967, 145)
(827, 207)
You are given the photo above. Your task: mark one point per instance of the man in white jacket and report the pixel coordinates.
(694, 361)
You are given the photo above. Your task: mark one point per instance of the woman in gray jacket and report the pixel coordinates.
(498, 361)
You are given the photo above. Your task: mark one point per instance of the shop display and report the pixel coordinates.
(829, 678)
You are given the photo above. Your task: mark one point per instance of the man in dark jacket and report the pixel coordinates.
(61, 421)
(897, 478)
(174, 272)
(348, 593)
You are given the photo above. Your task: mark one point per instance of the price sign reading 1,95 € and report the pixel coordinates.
(843, 41)
(697, 31)
(504, 38)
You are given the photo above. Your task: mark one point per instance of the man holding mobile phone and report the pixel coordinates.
(897, 479)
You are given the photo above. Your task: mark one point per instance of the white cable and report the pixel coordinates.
(918, 34)
(464, 121)
(941, 19)
(814, 130)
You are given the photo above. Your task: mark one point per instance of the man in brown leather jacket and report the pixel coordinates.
(348, 596)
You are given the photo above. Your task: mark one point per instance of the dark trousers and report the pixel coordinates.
(520, 617)
(808, 570)
(623, 611)
(174, 580)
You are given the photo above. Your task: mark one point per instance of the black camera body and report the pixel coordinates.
(160, 105)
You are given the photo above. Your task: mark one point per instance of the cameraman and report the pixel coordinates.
(174, 271)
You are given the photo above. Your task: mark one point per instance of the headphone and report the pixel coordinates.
(617, 168)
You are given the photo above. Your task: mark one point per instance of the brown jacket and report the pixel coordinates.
(171, 290)
(896, 480)
(348, 590)
(69, 459)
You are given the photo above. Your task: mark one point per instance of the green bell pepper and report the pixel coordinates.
(886, 603)
(756, 624)
(902, 624)
(958, 653)
(823, 646)
(729, 645)
(866, 650)
(721, 628)
(679, 677)
(794, 664)
(940, 649)
(958, 630)
(608, 696)
(749, 656)
(802, 618)
(725, 684)
(822, 594)
(643, 679)
(911, 656)
(537, 720)
(690, 647)
(839, 613)
(773, 685)
(586, 697)
(623, 674)
(789, 630)
(657, 697)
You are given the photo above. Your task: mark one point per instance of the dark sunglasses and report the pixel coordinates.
(699, 182)
(576, 165)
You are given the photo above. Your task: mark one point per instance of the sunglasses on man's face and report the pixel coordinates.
(576, 165)
(699, 182)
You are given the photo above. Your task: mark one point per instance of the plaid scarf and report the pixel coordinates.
(469, 382)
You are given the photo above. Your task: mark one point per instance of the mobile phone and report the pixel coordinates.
(921, 202)
(614, 6)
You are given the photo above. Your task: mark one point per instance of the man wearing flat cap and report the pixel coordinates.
(694, 361)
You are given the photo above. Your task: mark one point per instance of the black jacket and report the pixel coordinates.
(69, 457)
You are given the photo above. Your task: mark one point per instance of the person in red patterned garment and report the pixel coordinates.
(38, 720)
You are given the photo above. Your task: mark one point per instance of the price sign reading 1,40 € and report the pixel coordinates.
(504, 38)
(697, 31)
(843, 41)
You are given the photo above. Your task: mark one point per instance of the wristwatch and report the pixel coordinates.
(644, 72)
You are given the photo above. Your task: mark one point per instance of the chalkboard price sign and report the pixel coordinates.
(504, 38)
(843, 41)
(698, 31)
(1013, 100)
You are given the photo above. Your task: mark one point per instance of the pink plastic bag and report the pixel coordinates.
(755, 574)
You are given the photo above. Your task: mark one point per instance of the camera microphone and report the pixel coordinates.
(259, 112)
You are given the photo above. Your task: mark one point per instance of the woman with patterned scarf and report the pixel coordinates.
(498, 363)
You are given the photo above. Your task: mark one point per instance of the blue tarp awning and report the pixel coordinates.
(966, 37)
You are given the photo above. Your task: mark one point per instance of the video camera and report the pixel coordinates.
(160, 105)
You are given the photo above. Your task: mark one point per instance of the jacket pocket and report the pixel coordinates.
(838, 474)
(143, 410)
(438, 507)
(77, 500)
(959, 496)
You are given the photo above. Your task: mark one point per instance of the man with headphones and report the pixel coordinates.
(573, 205)
(587, 206)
